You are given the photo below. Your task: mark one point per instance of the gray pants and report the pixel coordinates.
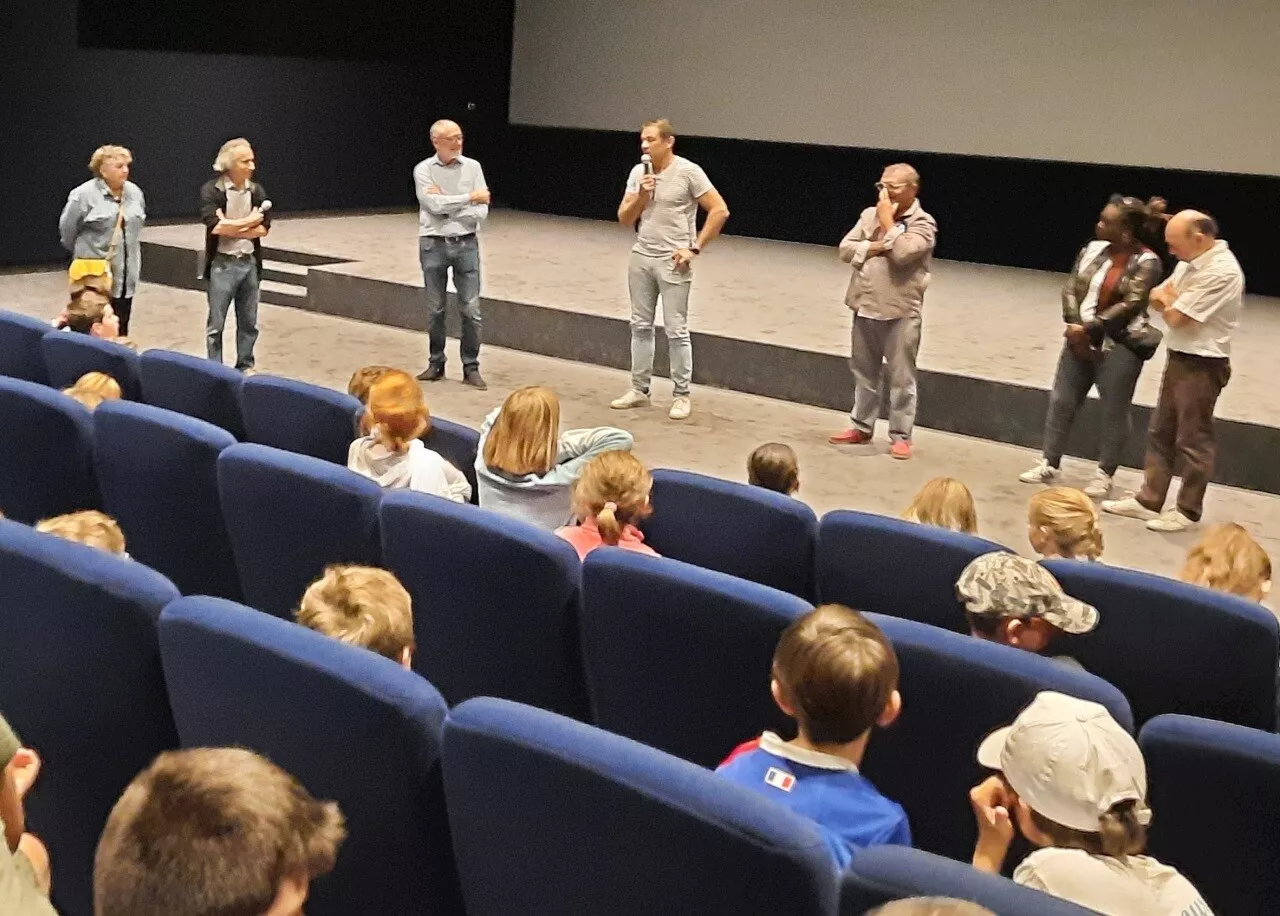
(647, 279)
(233, 280)
(877, 346)
(1116, 375)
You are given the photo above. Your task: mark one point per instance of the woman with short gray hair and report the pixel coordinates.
(101, 227)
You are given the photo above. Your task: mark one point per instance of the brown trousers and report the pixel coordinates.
(1182, 428)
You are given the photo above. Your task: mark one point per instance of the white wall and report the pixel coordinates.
(1179, 83)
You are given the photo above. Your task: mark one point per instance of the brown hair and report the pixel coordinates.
(92, 388)
(774, 467)
(1070, 518)
(930, 906)
(89, 527)
(1230, 560)
(944, 502)
(211, 832)
(397, 412)
(361, 606)
(836, 671)
(614, 488)
(362, 380)
(525, 437)
(87, 308)
(1119, 833)
(665, 130)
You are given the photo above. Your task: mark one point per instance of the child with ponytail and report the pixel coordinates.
(1063, 522)
(609, 498)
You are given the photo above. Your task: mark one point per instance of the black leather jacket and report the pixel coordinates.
(1126, 320)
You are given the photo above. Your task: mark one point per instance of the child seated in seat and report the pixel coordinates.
(24, 860)
(362, 606)
(836, 674)
(1073, 782)
(1228, 559)
(89, 527)
(1063, 522)
(92, 388)
(774, 466)
(609, 498)
(362, 380)
(391, 454)
(944, 502)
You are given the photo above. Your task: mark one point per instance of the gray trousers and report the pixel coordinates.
(233, 280)
(1116, 375)
(647, 279)
(880, 346)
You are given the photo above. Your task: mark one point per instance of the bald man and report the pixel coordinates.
(890, 250)
(453, 200)
(1201, 303)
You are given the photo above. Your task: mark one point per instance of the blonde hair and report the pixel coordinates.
(1228, 559)
(225, 157)
(397, 412)
(944, 502)
(525, 438)
(361, 606)
(103, 153)
(92, 388)
(614, 488)
(1070, 519)
(665, 130)
(362, 380)
(773, 466)
(90, 527)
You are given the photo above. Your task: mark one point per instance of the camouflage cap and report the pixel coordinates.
(1006, 585)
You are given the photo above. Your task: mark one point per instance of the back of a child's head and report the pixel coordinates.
(362, 606)
(87, 308)
(362, 380)
(944, 502)
(1228, 559)
(525, 437)
(396, 411)
(92, 388)
(837, 671)
(774, 466)
(614, 489)
(930, 906)
(211, 832)
(1068, 519)
(89, 527)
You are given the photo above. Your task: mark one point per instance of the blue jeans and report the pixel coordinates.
(437, 255)
(1116, 376)
(233, 280)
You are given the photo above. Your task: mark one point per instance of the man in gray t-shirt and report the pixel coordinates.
(664, 193)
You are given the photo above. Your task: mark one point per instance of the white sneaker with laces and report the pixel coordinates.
(631, 399)
(1129, 508)
(1100, 486)
(1041, 473)
(1170, 521)
(680, 409)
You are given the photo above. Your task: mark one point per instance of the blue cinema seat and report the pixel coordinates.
(197, 387)
(46, 453)
(299, 417)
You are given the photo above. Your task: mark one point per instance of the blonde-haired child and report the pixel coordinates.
(92, 388)
(1063, 522)
(1230, 560)
(361, 606)
(90, 527)
(944, 502)
(609, 498)
(774, 466)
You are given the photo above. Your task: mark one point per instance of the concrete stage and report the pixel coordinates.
(767, 318)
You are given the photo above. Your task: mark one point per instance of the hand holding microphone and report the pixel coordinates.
(649, 182)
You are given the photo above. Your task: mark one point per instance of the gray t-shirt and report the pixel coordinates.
(670, 219)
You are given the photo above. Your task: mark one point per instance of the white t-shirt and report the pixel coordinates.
(670, 218)
(1211, 290)
(1134, 886)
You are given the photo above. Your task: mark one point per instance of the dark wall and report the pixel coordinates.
(1016, 212)
(329, 134)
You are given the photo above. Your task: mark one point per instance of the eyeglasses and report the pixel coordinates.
(890, 185)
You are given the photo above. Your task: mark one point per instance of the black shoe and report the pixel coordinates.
(431, 374)
(475, 380)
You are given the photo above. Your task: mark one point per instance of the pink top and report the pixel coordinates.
(586, 538)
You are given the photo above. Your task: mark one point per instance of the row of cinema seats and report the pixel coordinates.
(256, 522)
(501, 807)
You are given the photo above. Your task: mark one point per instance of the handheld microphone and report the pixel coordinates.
(266, 205)
(647, 161)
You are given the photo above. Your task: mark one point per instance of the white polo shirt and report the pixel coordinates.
(239, 205)
(1210, 289)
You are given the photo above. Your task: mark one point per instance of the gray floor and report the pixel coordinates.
(724, 428)
(993, 322)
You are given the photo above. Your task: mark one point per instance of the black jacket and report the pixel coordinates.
(213, 199)
(1125, 321)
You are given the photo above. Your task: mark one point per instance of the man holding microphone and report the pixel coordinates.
(664, 193)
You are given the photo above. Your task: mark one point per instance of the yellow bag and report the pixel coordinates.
(88, 267)
(83, 271)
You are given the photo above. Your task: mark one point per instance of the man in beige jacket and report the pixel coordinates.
(890, 249)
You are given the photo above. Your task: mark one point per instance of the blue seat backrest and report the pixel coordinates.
(457, 444)
(197, 387)
(20, 353)
(46, 453)
(299, 417)
(68, 355)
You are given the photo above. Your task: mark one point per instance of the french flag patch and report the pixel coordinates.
(780, 779)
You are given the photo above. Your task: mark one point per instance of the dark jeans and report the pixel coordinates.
(437, 256)
(1116, 375)
(233, 280)
(1182, 427)
(124, 308)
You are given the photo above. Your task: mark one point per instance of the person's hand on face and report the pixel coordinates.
(886, 209)
(991, 802)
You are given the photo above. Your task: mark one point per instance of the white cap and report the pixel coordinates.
(1069, 761)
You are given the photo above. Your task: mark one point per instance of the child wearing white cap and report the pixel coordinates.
(1075, 784)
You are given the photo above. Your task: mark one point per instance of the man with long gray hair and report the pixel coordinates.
(233, 208)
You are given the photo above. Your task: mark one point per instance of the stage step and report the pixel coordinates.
(278, 293)
(284, 272)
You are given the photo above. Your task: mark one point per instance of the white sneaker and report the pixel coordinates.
(1170, 521)
(680, 409)
(1129, 508)
(1100, 486)
(1041, 473)
(631, 399)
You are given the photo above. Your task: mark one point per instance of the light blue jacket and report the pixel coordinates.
(88, 222)
(545, 500)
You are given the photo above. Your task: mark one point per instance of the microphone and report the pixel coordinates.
(647, 161)
(266, 205)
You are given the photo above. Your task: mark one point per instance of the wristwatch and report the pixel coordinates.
(695, 249)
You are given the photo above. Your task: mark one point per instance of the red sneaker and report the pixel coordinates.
(901, 449)
(850, 437)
